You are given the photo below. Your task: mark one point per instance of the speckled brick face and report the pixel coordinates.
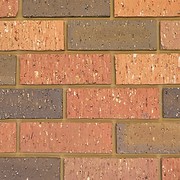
(66, 137)
(64, 8)
(65, 69)
(147, 68)
(112, 35)
(30, 168)
(30, 103)
(106, 168)
(124, 103)
(146, 8)
(7, 70)
(31, 35)
(171, 102)
(154, 138)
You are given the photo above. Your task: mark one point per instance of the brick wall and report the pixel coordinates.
(90, 90)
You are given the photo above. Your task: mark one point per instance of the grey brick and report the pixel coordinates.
(7, 70)
(112, 35)
(29, 168)
(62, 8)
(30, 103)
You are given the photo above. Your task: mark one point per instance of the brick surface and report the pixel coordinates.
(31, 35)
(170, 35)
(146, 8)
(30, 168)
(66, 137)
(65, 69)
(106, 168)
(112, 35)
(124, 103)
(171, 102)
(170, 168)
(30, 103)
(154, 138)
(8, 8)
(62, 8)
(147, 69)
(7, 137)
(7, 70)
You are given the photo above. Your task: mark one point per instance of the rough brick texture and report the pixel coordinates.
(170, 35)
(31, 35)
(147, 69)
(65, 69)
(112, 35)
(146, 8)
(124, 103)
(106, 168)
(30, 103)
(30, 168)
(156, 138)
(64, 8)
(66, 137)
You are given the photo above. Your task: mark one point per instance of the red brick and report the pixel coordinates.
(66, 137)
(147, 69)
(7, 137)
(106, 168)
(171, 168)
(31, 35)
(170, 35)
(123, 103)
(146, 8)
(65, 69)
(8, 8)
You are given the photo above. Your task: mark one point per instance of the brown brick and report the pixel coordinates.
(171, 168)
(147, 69)
(65, 69)
(123, 103)
(170, 35)
(107, 169)
(154, 138)
(8, 8)
(31, 35)
(146, 8)
(66, 137)
(7, 137)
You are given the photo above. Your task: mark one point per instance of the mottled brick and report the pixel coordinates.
(8, 8)
(147, 69)
(146, 8)
(123, 103)
(170, 35)
(111, 168)
(65, 8)
(154, 138)
(112, 35)
(7, 69)
(31, 35)
(171, 102)
(30, 168)
(66, 137)
(7, 137)
(170, 168)
(30, 103)
(65, 69)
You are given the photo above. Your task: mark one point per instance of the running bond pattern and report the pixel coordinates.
(90, 89)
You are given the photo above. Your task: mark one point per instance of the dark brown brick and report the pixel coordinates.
(62, 8)
(171, 102)
(156, 138)
(7, 69)
(30, 103)
(112, 35)
(29, 168)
